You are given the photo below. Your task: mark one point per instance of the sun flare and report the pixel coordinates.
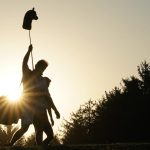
(11, 89)
(14, 95)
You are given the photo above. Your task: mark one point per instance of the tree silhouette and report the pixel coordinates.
(80, 122)
(122, 115)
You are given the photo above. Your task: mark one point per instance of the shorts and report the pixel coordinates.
(27, 113)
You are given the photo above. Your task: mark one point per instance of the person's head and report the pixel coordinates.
(40, 66)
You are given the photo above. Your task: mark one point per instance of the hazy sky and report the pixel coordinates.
(90, 45)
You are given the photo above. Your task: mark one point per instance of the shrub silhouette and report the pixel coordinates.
(122, 115)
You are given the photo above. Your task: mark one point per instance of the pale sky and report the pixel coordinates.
(90, 45)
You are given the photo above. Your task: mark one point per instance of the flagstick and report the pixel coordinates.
(31, 51)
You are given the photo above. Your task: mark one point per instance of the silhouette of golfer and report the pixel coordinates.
(30, 95)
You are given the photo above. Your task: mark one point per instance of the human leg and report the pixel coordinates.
(19, 134)
(42, 124)
(49, 133)
(38, 134)
(26, 120)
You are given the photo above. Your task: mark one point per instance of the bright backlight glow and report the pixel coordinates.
(11, 89)
(14, 95)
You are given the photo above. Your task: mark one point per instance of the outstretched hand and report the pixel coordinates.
(30, 47)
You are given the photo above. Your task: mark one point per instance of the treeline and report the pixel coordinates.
(122, 115)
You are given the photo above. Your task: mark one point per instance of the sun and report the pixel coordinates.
(11, 89)
(14, 95)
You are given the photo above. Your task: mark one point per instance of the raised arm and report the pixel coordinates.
(26, 58)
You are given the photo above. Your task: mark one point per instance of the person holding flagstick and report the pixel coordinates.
(30, 97)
